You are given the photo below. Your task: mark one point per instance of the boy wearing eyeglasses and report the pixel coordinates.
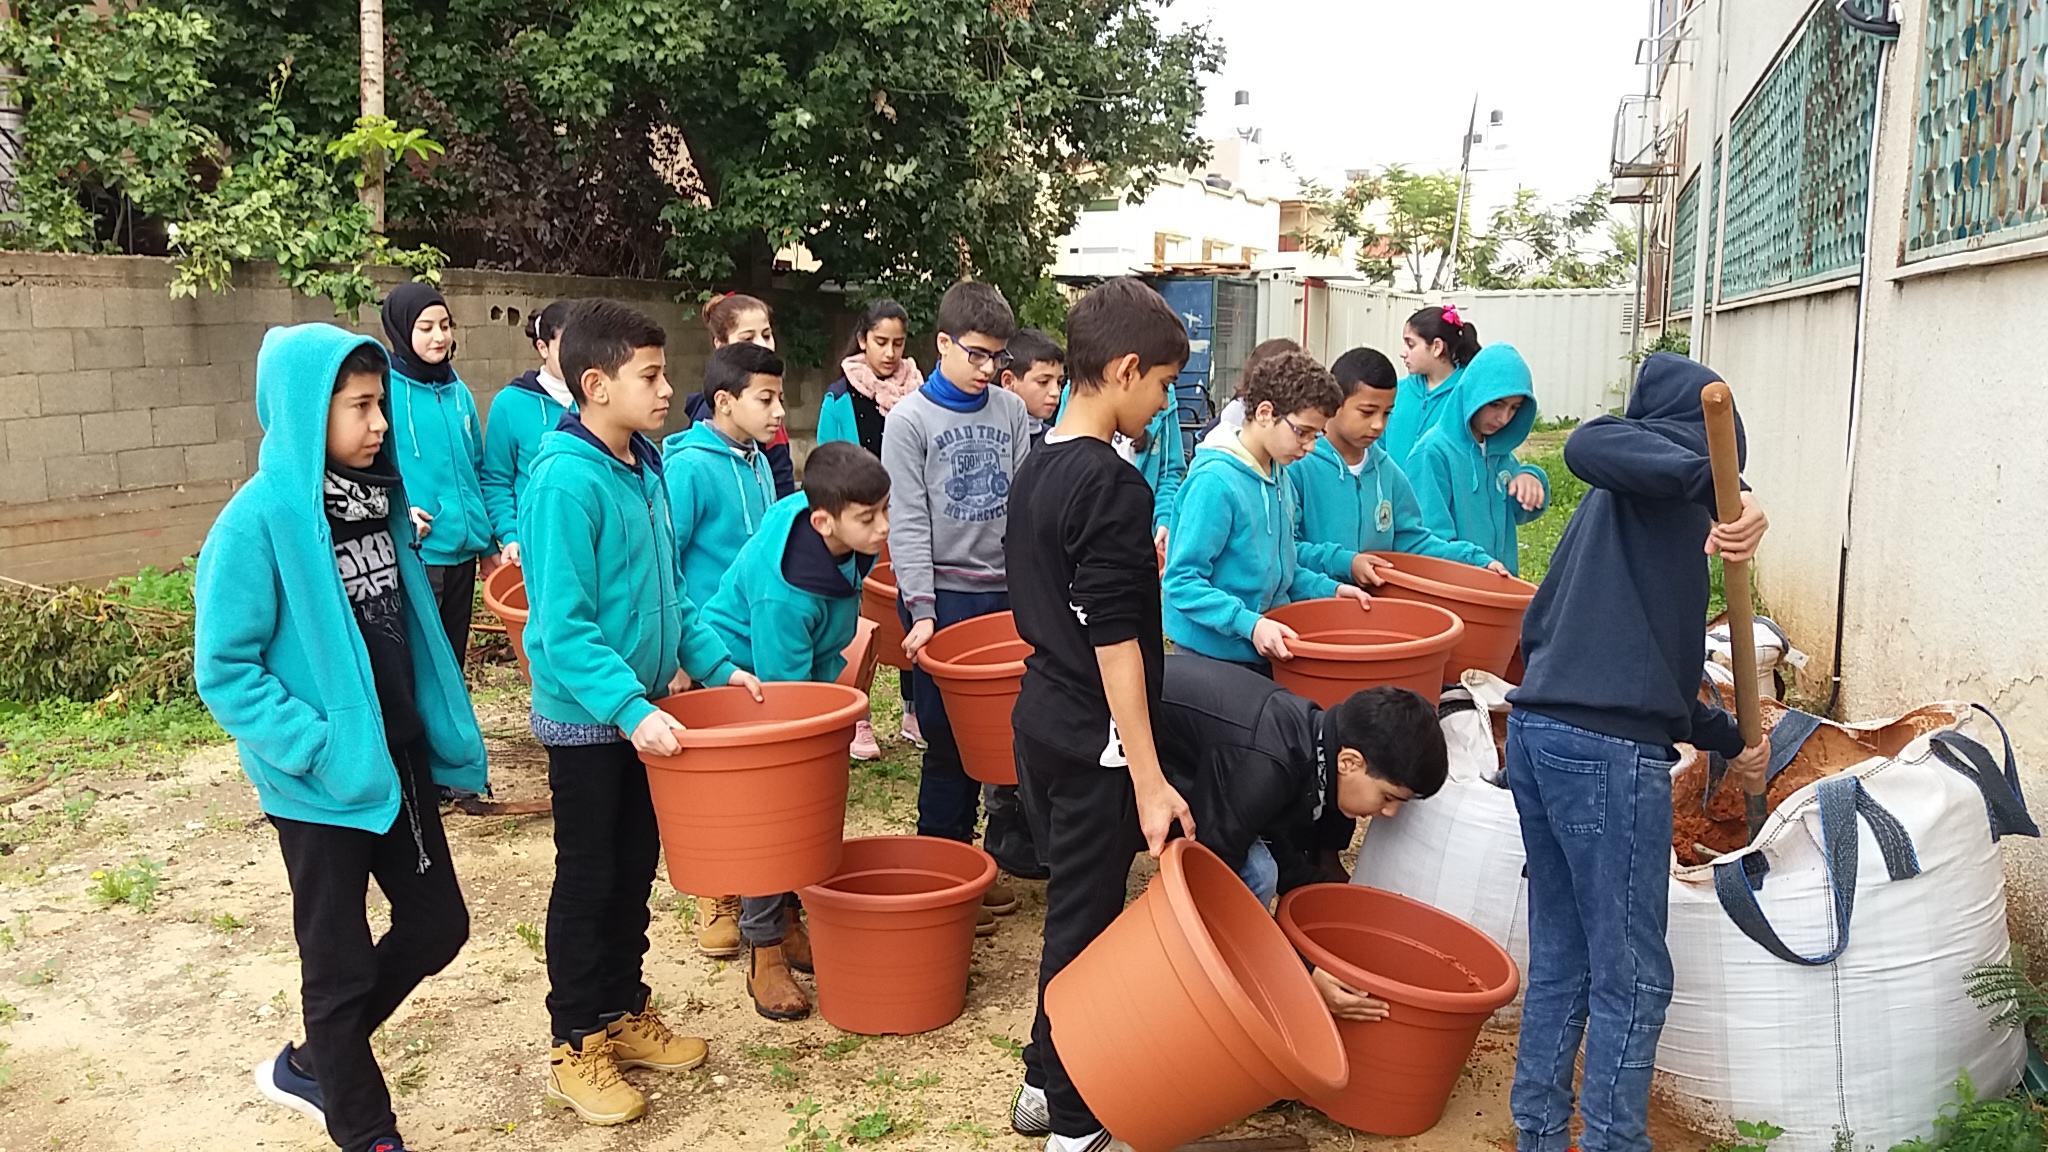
(1234, 552)
(952, 449)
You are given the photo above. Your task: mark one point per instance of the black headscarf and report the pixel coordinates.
(402, 310)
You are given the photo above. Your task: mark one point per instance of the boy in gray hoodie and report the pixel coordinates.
(952, 448)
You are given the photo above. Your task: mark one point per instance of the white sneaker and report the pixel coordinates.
(864, 746)
(1098, 1141)
(1029, 1114)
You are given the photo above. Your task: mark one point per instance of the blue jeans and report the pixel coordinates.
(948, 799)
(1596, 823)
(1261, 873)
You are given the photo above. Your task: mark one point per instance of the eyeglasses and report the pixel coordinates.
(979, 357)
(1305, 435)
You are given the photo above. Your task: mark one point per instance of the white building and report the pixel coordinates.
(1226, 213)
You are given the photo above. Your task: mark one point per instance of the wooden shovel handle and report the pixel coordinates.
(1718, 404)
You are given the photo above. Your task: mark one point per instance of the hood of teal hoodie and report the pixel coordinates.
(1497, 373)
(719, 499)
(278, 656)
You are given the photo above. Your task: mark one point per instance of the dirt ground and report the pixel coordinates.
(122, 1029)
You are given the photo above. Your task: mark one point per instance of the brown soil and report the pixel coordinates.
(131, 1030)
(1723, 825)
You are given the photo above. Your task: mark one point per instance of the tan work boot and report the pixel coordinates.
(718, 926)
(585, 1081)
(643, 1040)
(999, 899)
(984, 921)
(774, 990)
(796, 942)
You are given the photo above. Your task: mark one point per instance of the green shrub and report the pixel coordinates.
(130, 641)
(2009, 1123)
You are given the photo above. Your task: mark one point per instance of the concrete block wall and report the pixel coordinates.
(127, 418)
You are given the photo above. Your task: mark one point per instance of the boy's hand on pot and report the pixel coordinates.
(1270, 637)
(1354, 593)
(1159, 539)
(1528, 490)
(1159, 805)
(510, 553)
(1498, 568)
(656, 735)
(1749, 770)
(1737, 540)
(680, 682)
(920, 634)
(741, 678)
(1365, 569)
(422, 521)
(1346, 1002)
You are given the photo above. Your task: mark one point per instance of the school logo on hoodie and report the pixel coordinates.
(977, 486)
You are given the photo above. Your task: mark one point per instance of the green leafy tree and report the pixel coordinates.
(1399, 220)
(1530, 244)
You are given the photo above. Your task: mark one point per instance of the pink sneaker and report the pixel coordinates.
(910, 729)
(864, 746)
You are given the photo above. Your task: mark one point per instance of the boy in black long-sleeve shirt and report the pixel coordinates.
(1084, 586)
(1614, 642)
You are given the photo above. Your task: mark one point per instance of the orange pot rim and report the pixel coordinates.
(1397, 650)
(1480, 1002)
(820, 895)
(950, 670)
(493, 596)
(1414, 582)
(854, 706)
(1270, 1041)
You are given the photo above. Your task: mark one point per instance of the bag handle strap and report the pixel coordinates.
(1787, 737)
(2004, 803)
(1842, 800)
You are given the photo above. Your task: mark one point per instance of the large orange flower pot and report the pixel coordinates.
(1344, 648)
(892, 932)
(1490, 604)
(755, 804)
(505, 596)
(1442, 978)
(978, 665)
(859, 655)
(878, 603)
(1190, 1012)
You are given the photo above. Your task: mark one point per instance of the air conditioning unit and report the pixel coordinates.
(1638, 139)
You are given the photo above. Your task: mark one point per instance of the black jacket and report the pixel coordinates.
(1248, 757)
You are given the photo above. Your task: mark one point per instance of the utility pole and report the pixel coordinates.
(1464, 176)
(372, 24)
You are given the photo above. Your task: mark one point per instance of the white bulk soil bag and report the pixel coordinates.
(1460, 851)
(1819, 973)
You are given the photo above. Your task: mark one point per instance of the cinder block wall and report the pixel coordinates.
(127, 418)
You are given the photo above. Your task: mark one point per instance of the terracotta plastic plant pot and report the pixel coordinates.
(1442, 978)
(1490, 604)
(860, 657)
(878, 603)
(505, 596)
(979, 666)
(756, 802)
(1344, 648)
(1190, 1012)
(892, 932)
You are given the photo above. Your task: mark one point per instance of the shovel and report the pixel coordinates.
(1718, 403)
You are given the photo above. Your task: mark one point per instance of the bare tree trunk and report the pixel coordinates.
(11, 124)
(372, 23)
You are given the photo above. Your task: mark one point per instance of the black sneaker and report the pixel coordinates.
(283, 1084)
(388, 1144)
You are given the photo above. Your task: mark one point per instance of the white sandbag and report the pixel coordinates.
(1865, 1030)
(1460, 850)
(1772, 646)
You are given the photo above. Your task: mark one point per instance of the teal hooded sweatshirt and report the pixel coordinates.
(521, 413)
(276, 652)
(1233, 554)
(439, 444)
(719, 500)
(788, 608)
(1374, 511)
(1462, 482)
(610, 623)
(1417, 409)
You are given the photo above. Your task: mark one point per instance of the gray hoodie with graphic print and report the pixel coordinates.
(949, 483)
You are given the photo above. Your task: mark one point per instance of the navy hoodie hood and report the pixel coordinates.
(1615, 640)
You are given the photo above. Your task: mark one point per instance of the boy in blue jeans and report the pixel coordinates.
(320, 649)
(786, 611)
(1613, 647)
(952, 448)
(610, 627)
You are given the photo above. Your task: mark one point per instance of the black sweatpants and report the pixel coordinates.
(348, 985)
(606, 848)
(454, 588)
(1085, 819)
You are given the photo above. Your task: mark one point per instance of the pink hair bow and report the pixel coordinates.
(1451, 316)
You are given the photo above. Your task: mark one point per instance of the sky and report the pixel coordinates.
(1361, 83)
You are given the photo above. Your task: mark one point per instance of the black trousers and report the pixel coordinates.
(349, 985)
(606, 848)
(455, 593)
(1085, 820)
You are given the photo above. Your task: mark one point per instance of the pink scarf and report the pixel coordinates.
(885, 393)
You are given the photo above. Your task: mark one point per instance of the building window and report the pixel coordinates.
(1980, 148)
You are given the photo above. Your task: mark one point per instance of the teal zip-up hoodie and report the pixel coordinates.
(1417, 409)
(719, 500)
(521, 413)
(1374, 511)
(276, 652)
(439, 445)
(775, 627)
(1233, 554)
(610, 623)
(1162, 463)
(1461, 483)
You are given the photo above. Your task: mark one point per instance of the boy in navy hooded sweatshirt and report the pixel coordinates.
(319, 649)
(1614, 643)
